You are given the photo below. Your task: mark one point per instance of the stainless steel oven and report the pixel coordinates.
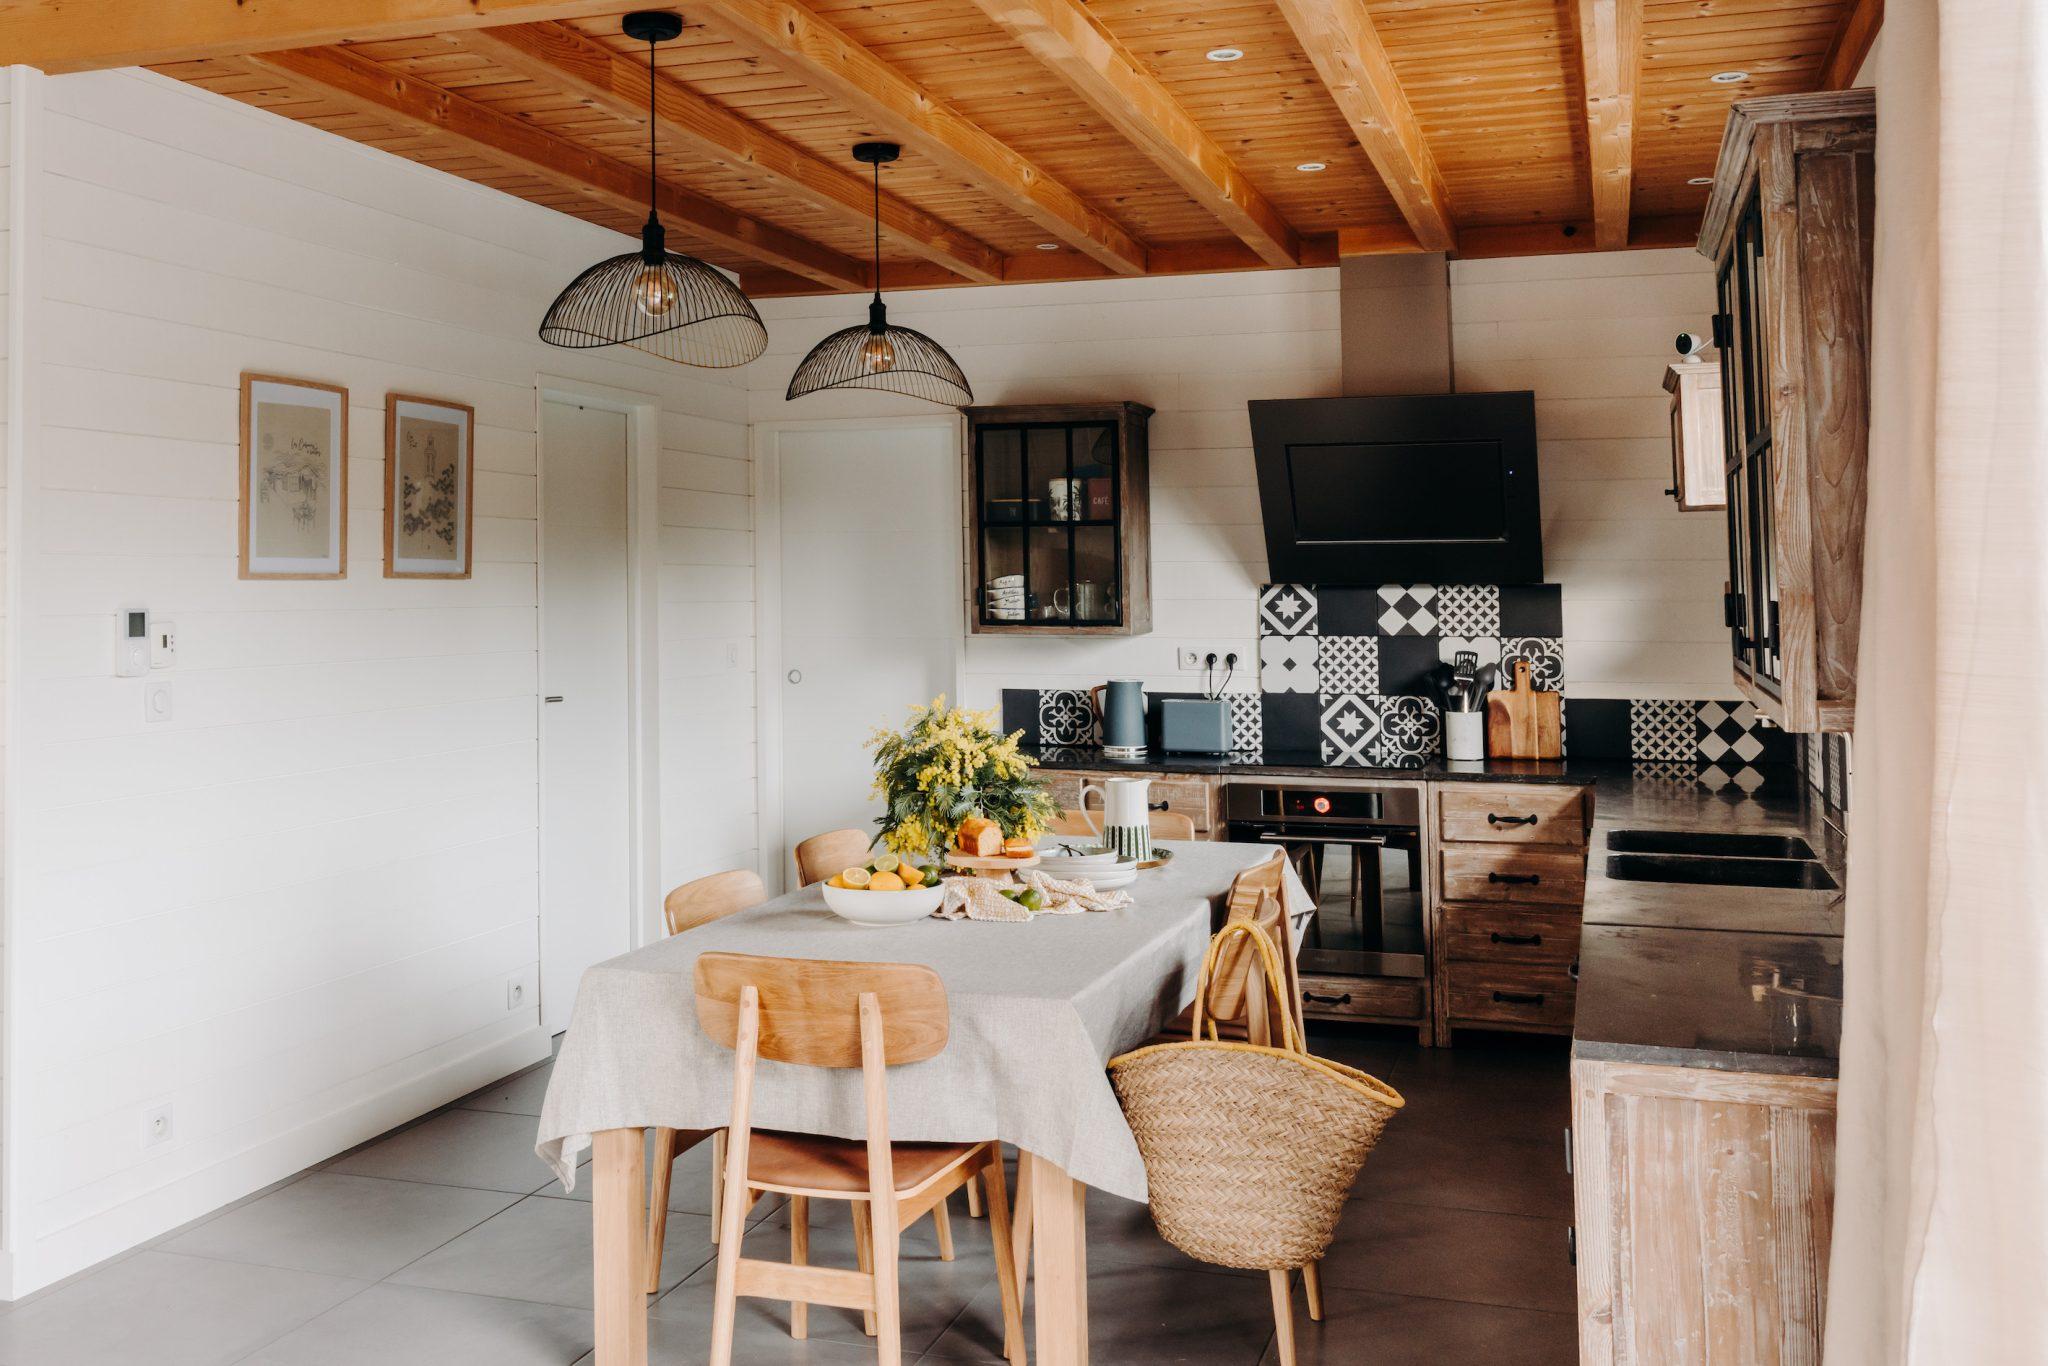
(1358, 847)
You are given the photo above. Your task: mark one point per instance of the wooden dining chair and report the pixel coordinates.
(820, 856)
(871, 1016)
(688, 906)
(1166, 825)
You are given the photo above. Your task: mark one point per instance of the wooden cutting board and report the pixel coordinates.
(1522, 723)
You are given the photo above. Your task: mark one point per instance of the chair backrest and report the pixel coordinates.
(1166, 825)
(820, 856)
(712, 898)
(1238, 990)
(810, 1009)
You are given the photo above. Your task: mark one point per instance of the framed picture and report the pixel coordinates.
(429, 459)
(294, 479)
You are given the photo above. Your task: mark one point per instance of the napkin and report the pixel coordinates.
(981, 898)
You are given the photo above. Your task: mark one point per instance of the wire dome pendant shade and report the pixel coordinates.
(877, 354)
(656, 300)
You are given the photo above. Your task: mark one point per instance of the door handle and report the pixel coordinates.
(555, 698)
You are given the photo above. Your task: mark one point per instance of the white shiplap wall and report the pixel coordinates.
(10, 325)
(1590, 334)
(290, 911)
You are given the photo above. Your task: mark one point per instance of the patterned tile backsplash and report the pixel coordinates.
(1354, 676)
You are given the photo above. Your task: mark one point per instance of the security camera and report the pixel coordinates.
(1690, 344)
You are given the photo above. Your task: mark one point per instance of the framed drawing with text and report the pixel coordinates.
(294, 479)
(429, 459)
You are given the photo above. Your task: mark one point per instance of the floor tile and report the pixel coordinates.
(539, 1250)
(1399, 1330)
(1454, 1254)
(1139, 1316)
(166, 1310)
(1121, 1233)
(398, 1325)
(357, 1226)
(671, 1343)
(517, 1095)
(1470, 1169)
(474, 1148)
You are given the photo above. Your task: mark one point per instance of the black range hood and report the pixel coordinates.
(1404, 488)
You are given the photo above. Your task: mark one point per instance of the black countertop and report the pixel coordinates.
(1729, 978)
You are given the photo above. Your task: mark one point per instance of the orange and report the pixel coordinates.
(886, 882)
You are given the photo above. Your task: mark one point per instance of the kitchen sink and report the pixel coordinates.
(1690, 842)
(1793, 874)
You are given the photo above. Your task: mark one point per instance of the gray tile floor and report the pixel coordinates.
(447, 1243)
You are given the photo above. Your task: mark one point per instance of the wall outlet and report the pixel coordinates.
(156, 701)
(156, 1126)
(1194, 660)
(519, 991)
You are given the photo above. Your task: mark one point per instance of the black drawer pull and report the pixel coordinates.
(1314, 999)
(1156, 806)
(1494, 818)
(1575, 969)
(1529, 939)
(1518, 998)
(1516, 879)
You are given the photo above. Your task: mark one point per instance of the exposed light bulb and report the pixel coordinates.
(654, 290)
(877, 353)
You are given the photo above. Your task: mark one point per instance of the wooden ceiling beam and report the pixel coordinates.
(1339, 39)
(108, 33)
(1852, 44)
(1069, 40)
(792, 39)
(560, 58)
(409, 102)
(1610, 51)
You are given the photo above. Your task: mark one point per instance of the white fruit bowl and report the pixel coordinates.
(863, 907)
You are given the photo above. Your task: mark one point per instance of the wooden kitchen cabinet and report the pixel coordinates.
(1699, 475)
(1789, 227)
(1059, 520)
(1704, 1201)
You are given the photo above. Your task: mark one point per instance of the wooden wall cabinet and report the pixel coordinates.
(1704, 1204)
(1789, 227)
(1059, 520)
(1699, 474)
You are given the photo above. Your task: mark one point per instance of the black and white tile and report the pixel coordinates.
(1368, 731)
(1546, 660)
(1247, 723)
(1348, 664)
(1412, 727)
(1485, 649)
(1407, 609)
(1065, 717)
(1350, 728)
(1288, 609)
(1468, 609)
(1728, 733)
(1661, 729)
(1289, 664)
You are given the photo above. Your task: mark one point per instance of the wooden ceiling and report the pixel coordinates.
(1044, 139)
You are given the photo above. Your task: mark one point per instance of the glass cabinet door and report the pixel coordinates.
(1048, 503)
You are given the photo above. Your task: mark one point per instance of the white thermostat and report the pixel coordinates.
(131, 643)
(163, 644)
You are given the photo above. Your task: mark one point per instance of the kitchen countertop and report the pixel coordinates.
(1729, 978)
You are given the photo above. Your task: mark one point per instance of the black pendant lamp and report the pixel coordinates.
(877, 354)
(656, 300)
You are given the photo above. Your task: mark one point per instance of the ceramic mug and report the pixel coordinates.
(1090, 601)
(1064, 497)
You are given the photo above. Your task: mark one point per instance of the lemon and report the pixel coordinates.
(836, 880)
(886, 863)
(912, 875)
(854, 877)
(885, 882)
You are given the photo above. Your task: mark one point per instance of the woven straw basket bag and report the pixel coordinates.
(1250, 1151)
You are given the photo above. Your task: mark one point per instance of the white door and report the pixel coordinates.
(586, 836)
(870, 598)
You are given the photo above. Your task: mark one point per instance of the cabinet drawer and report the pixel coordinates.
(1191, 797)
(1508, 934)
(1511, 993)
(1505, 873)
(1513, 813)
(1350, 998)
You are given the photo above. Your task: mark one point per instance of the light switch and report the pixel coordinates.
(156, 702)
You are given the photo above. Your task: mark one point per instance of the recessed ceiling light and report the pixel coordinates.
(1313, 166)
(1224, 54)
(1728, 77)
(1048, 246)
(1701, 180)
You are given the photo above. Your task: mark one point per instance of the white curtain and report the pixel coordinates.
(1940, 1254)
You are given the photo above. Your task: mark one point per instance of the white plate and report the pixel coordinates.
(863, 907)
(1109, 879)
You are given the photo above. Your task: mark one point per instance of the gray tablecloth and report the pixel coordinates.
(1037, 1009)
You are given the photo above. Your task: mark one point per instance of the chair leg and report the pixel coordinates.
(1283, 1317)
(864, 1254)
(1020, 1252)
(888, 1303)
(1312, 1283)
(799, 1255)
(667, 1142)
(942, 1220)
(725, 1291)
(974, 1195)
(717, 1183)
(1006, 1268)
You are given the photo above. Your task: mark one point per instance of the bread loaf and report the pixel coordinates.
(979, 836)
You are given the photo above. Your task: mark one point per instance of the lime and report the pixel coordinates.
(855, 877)
(885, 863)
(1010, 892)
(1032, 900)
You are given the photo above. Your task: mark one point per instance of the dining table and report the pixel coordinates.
(1037, 1008)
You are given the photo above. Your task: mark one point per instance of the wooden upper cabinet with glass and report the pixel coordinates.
(1058, 513)
(1789, 229)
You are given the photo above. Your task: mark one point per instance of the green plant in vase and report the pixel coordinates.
(949, 764)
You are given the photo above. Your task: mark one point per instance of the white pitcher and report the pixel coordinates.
(1126, 821)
